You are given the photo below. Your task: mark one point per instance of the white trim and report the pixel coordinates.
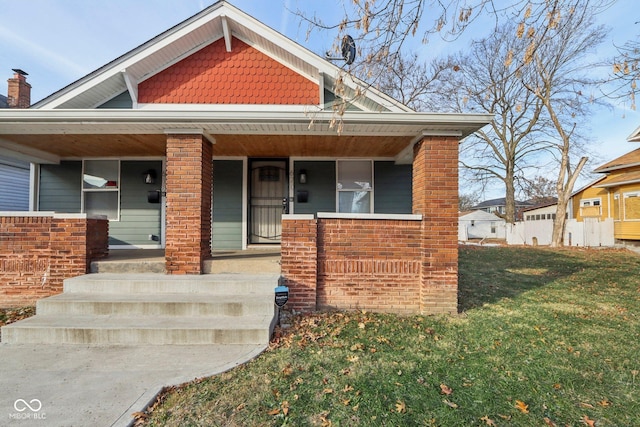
(131, 87)
(226, 107)
(293, 217)
(373, 216)
(245, 202)
(226, 32)
(34, 186)
(120, 247)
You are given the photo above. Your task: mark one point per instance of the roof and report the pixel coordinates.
(620, 179)
(498, 202)
(3, 102)
(218, 21)
(630, 159)
(69, 125)
(478, 216)
(635, 135)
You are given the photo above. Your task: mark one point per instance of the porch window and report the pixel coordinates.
(355, 186)
(590, 207)
(632, 206)
(101, 188)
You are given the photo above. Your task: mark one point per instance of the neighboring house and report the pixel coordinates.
(480, 225)
(616, 196)
(220, 133)
(499, 206)
(15, 172)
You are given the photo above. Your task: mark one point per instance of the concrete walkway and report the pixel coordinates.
(79, 385)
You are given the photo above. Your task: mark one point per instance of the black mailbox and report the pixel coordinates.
(154, 196)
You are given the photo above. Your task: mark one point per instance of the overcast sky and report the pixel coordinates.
(59, 41)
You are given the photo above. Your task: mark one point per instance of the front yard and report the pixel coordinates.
(545, 337)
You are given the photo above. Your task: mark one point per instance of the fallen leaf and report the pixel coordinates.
(548, 422)
(488, 421)
(557, 386)
(140, 415)
(604, 403)
(444, 389)
(240, 407)
(285, 407)
(450, 404)
(361, 325)
(588, 421)
(347, 388)
(353, 359)
(274, 411)
(327, 391)
(401, 407)
(346, 402)
(523, 407)
(586, 405)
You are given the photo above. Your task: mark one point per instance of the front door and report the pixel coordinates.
(267, 200)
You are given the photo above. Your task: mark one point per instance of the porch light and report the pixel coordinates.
(302, 176)
(149, 176)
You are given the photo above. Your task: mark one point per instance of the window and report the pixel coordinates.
(493, 228)
(590, 208)
(101, 188)
(616, 207)
(632, 206)
(355, 186)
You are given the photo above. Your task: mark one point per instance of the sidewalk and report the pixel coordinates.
(76, 385)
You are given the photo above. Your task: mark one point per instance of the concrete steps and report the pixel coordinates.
(110, 308)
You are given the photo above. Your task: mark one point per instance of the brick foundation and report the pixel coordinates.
(39, 251)
(189, 186)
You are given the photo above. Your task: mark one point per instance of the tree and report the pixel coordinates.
(626, 72)
(467, 200)
(539, 189)
(561, 82)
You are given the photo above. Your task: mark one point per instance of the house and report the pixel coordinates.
(480, 225)
(615, 196)
(14, 171)
(499, 206)
(220, 133)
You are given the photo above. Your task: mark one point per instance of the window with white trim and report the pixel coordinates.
(101, 188)
(632, 206)
(590, 207)
(354, 186)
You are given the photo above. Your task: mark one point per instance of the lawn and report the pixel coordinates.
(544, 338)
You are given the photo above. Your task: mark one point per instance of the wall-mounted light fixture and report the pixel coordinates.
(149, 176)
(302, 176)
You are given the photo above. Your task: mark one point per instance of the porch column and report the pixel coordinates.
(435, 196)
(189, 186)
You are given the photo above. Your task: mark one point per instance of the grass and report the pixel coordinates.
(545, 337)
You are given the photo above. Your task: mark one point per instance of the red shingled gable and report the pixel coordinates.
(214, 76)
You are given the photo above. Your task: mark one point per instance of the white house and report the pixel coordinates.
(480, 225)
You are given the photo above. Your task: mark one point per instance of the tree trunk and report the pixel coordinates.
(564, 194)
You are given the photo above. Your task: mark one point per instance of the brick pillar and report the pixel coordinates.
(189, 187)
(435, 196)
(299, 265)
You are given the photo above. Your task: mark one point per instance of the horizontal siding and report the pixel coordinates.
(138, 217)
(14, 190)
(392, 188)
(226, 225)
(320, 186)
(60, 187)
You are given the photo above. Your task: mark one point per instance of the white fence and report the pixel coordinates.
(590, 232)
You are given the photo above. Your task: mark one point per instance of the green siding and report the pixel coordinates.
(321, 187)
(226, 226)
(330, 97)
(392, 187)
(121, 101)
(60, 187)
(138, 217)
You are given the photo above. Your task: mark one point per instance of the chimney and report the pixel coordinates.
(19, 92)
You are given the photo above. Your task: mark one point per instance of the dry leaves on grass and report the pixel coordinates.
(523, 407)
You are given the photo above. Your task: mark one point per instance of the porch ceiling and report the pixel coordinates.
(154, 145)
(52, 135)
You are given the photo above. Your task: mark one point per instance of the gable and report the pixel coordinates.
(214, 76)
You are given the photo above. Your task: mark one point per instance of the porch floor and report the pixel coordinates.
(253, 260)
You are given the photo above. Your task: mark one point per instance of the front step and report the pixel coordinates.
(153, 309)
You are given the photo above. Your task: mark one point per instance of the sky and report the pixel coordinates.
(60, 41)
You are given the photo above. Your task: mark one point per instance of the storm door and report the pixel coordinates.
(267, 200)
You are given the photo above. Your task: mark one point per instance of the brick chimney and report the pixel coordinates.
(19, 92)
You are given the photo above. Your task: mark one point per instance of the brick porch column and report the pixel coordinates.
(435, 196)
(189, 185)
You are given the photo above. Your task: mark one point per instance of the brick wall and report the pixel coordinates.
(189, 186)
(371, 264)
(299, 260)
(435, 196)
(39, 251)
